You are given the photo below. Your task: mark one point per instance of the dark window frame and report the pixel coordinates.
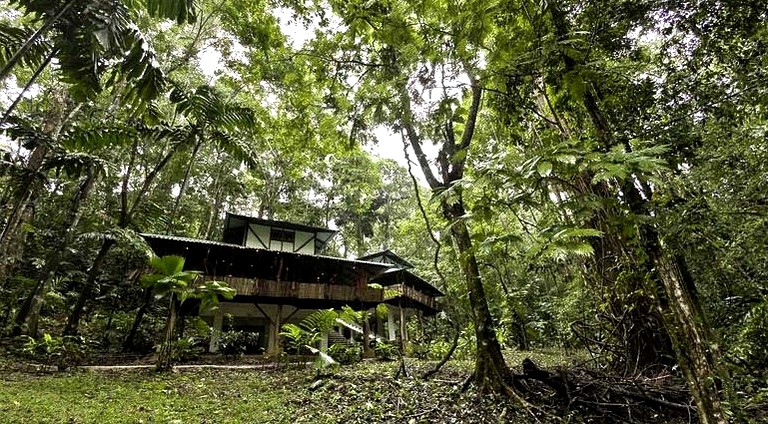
(282, 235)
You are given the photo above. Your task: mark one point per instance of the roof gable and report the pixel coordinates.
(387, 257)
(322, 235)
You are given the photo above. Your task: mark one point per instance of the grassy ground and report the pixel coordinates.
(143, 396)
(366, 392)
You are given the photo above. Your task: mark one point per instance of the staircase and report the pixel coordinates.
(334, 337)
(355, 328)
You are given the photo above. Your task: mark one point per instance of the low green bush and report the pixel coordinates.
(59, 351)
(296, 339)
(418, 350)
(346, 353)
(752, 343)
(385, 351)
(187, 348)
(235, 343)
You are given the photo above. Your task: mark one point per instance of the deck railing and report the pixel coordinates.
(292, 289)
(398, 290)
(296, 290)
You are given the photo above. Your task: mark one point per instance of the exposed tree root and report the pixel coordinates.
(605, 397)
(565, 393)
(507, 387)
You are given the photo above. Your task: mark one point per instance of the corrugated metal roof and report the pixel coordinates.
(256, 249)
(388, 255)
(434, 291)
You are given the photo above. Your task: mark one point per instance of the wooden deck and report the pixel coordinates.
(401, 290)
(255, 287)
(295, 290)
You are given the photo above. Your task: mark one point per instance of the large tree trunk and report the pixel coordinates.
(491, 371)
(618, 275)
(9, 235)
(616, 272)
(684, 324)
(29, 313)
(687, 327)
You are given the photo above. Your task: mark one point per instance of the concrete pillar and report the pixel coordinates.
(379, 323)
(218, 321)
(273, 345)
(403, 327)
(391, 322)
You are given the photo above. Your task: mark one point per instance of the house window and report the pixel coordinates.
(278, 234)
(281, 239)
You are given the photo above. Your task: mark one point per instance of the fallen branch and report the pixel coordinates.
(447, 356)
(609, 395)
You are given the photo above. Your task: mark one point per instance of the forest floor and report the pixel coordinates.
(367, 392)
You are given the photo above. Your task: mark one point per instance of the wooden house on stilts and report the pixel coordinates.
(280, 277)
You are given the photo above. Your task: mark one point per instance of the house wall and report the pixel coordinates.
(263, 234)
(304, 243)
(303, 240)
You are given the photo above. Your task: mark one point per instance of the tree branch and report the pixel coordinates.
(406, 119)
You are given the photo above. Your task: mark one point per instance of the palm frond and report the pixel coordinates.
(12, 38)
(75, 163)
(27, 134)
(181, 11)
(235, 147)
(320, 321)
(95, 138)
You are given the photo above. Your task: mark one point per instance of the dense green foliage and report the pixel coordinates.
(573, 174)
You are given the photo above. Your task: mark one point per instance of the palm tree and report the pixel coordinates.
(171, 280)
(89, 39)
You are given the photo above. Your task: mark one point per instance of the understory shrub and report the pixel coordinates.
(234, 343)
(187, 348)
(385, 351)
(295, 340)
(438, 349)
(418, 350)
(752, 345)
(60, 351)
(346, 353)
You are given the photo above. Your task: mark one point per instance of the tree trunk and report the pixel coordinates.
(165, 358)
(684, 323)
(491, 372)
(29, 313)
(379, 323)
(183, 188)
(687, 327)
(128, 344)
(10, 232)
(105, 338)
(215, 209)
(73, 323)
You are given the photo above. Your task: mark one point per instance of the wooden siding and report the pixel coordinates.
(398, 290)
(292, 289)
